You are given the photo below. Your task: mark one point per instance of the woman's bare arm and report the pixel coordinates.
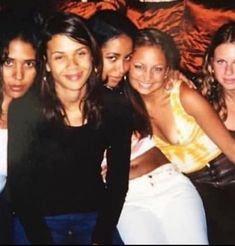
(197, 106)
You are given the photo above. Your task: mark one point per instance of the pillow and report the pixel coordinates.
(201, 19)
(87, 9)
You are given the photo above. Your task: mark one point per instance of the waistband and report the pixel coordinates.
(168, 167)
(165, 168)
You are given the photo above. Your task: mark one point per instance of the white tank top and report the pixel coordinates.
(139, 147)
(3, 158)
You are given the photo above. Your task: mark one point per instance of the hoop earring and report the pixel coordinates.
(44, 79)
(211, 70)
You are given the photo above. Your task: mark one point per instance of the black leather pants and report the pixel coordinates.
(216, 185)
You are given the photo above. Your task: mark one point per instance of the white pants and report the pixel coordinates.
(163, 207)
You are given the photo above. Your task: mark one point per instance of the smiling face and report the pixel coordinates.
(69, 62)
(19, 68)
(223, 64)
(148, 69)
(116, 55)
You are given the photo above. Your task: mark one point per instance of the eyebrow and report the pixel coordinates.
(117, 54)
(25, 60)
(62, 52)
(113, 53)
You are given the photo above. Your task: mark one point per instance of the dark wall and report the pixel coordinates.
(190, 22)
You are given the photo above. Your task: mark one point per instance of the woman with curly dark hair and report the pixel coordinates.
(217, 84)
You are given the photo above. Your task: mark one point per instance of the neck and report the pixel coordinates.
(70, 98)
(156, 98)
(73, 105)
(229, 96)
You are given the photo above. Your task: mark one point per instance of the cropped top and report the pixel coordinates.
(195, 148)
(3, 158)
(138, 147)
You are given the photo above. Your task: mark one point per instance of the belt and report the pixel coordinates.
(220, 172)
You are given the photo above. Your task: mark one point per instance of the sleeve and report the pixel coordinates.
(22, 136)
(3, 158)
(119, 131)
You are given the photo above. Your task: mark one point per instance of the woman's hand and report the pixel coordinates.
(175, 75)
(104, 171)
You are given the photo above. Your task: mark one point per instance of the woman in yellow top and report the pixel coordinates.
(184, 125)
(162, 206)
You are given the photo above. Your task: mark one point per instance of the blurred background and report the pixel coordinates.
(190, 22)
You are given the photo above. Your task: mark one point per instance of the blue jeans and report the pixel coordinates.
(66, 229)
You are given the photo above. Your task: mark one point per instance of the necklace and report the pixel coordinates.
(109, 87)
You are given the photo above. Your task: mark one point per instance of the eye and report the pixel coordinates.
(220, 61)
(82, 52)
(112, 58)
(8, 62)
(128, 58)
(30, 64)
(138, 66)
(158, 69)
(58, 57)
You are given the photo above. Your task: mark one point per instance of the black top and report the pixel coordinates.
(55, 169)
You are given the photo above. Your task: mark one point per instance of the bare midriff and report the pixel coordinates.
(147, 162)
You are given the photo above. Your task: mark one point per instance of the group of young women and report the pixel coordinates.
(92, 114)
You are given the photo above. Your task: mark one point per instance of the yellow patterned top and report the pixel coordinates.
(195, 148)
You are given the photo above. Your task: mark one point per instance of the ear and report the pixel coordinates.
(48, 67)
(210, 68)
(168, 70)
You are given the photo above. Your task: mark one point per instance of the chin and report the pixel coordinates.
(113, 85)
(17, 95)
(143, 93)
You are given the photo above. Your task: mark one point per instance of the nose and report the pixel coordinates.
(229, 69)
(147, 76)
(122, 68)
(72, 62)
(19, 72)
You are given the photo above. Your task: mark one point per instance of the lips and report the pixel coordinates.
(16, 88)
(115, 79)
(229, 81)
(73, 77)
(145, 85)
